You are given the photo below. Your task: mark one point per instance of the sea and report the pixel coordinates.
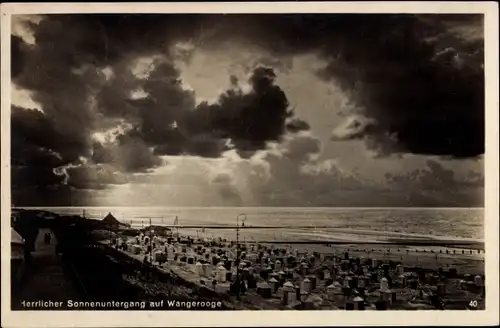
(368, 224)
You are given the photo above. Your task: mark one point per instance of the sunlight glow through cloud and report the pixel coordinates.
(22, 98)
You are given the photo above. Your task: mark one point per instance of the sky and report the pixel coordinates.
(247, 110)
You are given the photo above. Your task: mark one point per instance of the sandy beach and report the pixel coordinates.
(199, 260)
(291, 274)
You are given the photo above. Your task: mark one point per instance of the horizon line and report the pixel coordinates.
(258, 206)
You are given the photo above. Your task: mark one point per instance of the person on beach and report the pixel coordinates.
(47, 238)
(243, 287)
(28, 248)
(145, 266)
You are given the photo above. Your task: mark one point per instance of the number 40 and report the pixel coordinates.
(473, 304)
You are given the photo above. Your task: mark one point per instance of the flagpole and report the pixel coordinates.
(177, 225)
(244, 217)
(150, 243)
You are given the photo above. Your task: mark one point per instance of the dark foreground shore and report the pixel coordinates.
(76, 268)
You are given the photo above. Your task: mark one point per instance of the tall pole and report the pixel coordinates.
(244, 217)
(237, 259)
(177, 219)
(150, 243)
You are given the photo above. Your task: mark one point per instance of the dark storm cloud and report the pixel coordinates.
(248, 120)
(60, 134)
(428, 99)
(34, 133)
(37, 148)
(103, 39)
(407, 73)
(168, 120)
(25, 176)
(80, 72)
(61, 72)
(17, 54)
(418, 80)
